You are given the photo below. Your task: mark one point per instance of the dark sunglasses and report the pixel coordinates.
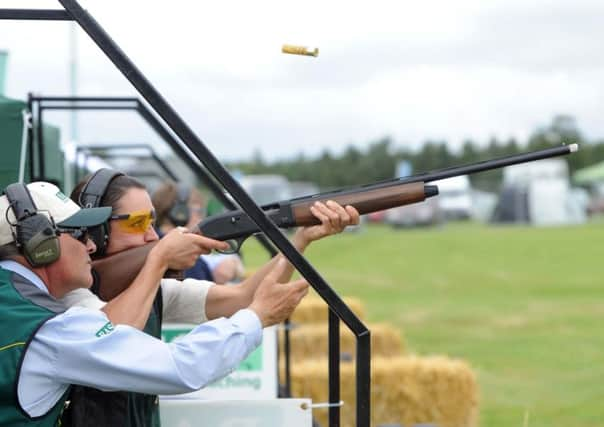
(80, 234)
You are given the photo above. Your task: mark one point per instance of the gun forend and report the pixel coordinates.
(371, 200)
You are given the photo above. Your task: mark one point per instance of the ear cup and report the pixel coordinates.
(36, 235)
(90, 197)
(40, 243)
(179, 214)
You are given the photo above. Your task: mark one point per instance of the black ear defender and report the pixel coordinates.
(35, 234)
(179, 214)
(90, 197)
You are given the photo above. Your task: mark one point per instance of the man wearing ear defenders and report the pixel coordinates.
(45, 348)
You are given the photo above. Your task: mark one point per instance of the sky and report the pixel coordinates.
(438, 70)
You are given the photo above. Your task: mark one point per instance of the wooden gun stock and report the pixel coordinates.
(114, 273)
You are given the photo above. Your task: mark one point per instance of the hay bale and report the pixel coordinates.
(312, 341)
(405, 390)
(312, 309)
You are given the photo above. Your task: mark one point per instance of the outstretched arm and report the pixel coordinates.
(121, 358)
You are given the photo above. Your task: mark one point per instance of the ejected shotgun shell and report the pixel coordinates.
(299, 50)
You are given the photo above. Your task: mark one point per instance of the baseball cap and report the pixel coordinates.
(49, 199)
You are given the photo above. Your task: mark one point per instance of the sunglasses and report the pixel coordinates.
(135, 222)
(80, 234)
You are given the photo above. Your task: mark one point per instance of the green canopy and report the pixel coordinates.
(11, 136)
(3, 61)
(589, 174)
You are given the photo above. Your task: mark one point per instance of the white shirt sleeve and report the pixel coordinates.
(185, 301)
(82, 297)
(82, 347)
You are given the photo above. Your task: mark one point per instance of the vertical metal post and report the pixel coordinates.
(287, 351)
(30, 137)
(334, 369)
(40, 144)
(363, 376)
(73, 76)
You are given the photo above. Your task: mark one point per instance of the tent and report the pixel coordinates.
(3, 61)
(11, 140)
(538, 193)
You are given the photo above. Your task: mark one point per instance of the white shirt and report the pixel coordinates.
(81, 346)
(184, 301)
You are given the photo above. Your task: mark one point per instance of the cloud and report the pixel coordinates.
(412, 70)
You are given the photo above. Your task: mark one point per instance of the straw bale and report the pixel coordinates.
(404, 390)
(312, 309)
(312, 341)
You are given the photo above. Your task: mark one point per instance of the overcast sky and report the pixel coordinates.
(414, 70)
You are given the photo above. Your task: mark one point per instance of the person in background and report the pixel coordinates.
(186, 301)
(45, 348)
(180, 205)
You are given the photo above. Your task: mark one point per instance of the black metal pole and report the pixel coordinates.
(86, 107)
(35, 14)
(333, 371)
(85, 98)
(287, 351)
(30, 137)
(363, 373)
(195, 166)
(193, 143)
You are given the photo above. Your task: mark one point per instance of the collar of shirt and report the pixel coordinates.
(21, 270)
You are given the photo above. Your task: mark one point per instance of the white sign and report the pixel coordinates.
(255, 378)
(235, 413)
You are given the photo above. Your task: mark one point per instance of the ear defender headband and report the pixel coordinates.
(179, 214)
(90, 197)
(35, 234)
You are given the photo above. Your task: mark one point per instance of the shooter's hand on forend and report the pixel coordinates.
(334, 219)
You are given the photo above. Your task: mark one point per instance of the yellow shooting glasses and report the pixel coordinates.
(135, 222)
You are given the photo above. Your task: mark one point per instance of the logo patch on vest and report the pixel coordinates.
(106, 329)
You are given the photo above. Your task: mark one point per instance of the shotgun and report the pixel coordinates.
(115, 272)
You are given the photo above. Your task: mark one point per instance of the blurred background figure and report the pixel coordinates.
(180, 205)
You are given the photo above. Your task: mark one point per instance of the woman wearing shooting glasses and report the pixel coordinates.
(187, 301)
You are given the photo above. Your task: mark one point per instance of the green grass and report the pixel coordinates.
(524, 306)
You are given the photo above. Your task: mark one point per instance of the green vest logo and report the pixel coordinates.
(106, 329)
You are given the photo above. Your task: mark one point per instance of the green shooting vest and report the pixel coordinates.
(90, 407)
(23, 310)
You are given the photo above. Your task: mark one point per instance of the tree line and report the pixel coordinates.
(379, 161)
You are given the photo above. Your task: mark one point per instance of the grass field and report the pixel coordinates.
(524, 306)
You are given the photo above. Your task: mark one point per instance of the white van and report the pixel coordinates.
(455, 197)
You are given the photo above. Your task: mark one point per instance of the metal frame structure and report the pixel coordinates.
(338, 310)
(107, 151)
(37, 105)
